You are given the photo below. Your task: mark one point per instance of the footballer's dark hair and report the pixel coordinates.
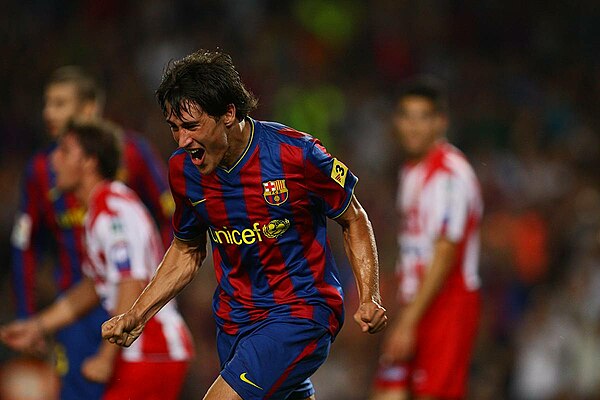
(207, 79)
(101, 140)
(428, 87)
(88, 88)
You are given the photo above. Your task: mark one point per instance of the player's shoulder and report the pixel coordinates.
(455, 162)
(280, 133)
(182, 171)
(135, 144)
(112, 199)
(39, 162)
(133, 137)
(176, 155)
(177, 160)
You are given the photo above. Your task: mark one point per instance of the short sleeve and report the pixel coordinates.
(186, 225)
(451, 208)
(329, 180)
(119, 250)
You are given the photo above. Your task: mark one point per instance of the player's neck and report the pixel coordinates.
(88, 186)
(418, 157)
(239, 136)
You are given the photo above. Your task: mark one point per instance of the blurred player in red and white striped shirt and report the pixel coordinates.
(123, 247)
(427, 352)
(49, 223)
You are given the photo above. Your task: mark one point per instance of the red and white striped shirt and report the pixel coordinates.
(438, 197)
(122, 243)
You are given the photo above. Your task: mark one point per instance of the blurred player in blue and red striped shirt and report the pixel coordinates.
(51, 222)
(262, 193)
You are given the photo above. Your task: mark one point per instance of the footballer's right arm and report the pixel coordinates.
(178, 267)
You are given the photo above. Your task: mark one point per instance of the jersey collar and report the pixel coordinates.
(247, 151)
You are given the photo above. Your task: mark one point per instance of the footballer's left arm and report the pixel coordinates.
(361, 249)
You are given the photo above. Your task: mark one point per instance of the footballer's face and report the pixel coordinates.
(418, 125)
(205, 138)
(68, 161)
(61, 104)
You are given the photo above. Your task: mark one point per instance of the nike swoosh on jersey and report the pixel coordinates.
(244, 379)
(195, 203)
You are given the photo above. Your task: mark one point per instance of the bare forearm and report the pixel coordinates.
(359, 242)
(361, 250)
(177, 269)
(437, 273)
(78, 301)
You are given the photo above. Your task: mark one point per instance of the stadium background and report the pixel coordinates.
(524, 83)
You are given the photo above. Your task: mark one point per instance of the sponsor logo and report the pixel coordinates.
(270, 230)
(71, 218)
(275, 192)
(167, 204)
(248, 381)
(61, 361)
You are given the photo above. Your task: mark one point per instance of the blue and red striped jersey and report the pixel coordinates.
(51, 222)
(266, 218)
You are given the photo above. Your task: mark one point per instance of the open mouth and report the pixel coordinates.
(197, 155)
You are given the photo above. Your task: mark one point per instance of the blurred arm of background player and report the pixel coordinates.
(24, 335)
(178, 267)
(359, 243)
(400, 344)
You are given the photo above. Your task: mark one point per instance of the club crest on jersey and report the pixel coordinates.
(275, 192)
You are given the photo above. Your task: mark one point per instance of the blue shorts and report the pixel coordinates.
(77, 342)
(273, 359)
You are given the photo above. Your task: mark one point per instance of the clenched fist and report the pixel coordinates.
(371, 317)
(122, 329)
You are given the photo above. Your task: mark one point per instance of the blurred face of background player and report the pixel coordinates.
(70, 163)
(418, 124)
(62, 103)
(205, 138)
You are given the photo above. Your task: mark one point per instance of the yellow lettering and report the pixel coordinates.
(238, 242)
(229, 241)
(219, 233)
(248, 236)
(71, 218)
(213, 236)
(61, 362)
(272, 230)
(257, 230)
(167, 204)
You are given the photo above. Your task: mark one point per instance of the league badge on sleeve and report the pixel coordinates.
(119, 256)
(339, 172)
(275, 192)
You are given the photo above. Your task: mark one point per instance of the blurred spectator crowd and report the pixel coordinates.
(524, 86)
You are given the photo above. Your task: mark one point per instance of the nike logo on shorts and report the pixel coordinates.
(248, 381)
